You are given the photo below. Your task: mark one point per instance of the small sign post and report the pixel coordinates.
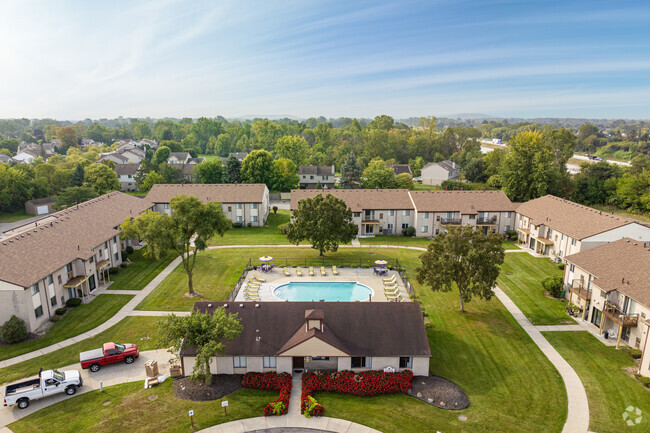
(224, 405)
(191, 418)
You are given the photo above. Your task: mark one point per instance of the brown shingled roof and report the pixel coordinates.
(623, 265)
(465, 202)
(572, 219)
(360, 199)
(32, 254)
(222, 193)
(353, 326)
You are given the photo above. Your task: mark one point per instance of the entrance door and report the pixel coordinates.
(298, 362)
(91, 283)
(596, 316)
(370, 229)
(625, 335)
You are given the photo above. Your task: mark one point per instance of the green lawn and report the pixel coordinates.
(521, 279)
(270, 234)
(76, 321)
(396, 240)
(137, 330)
(610, 389)
(139, 273)
(127, 407)
(10, 217)
(210, 157)
(483, 350)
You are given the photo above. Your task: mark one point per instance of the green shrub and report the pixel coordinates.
(409, 231)
(511, 234)
(123, 265)
(634, 353)
(129, 250)
(113, 270)
(125, 256)
(60, 311)
(73, 302)
(249, 224)
(561, 266)
(645, 381)
(553, 285)
(55, 318)
(237, 225)
(275, 209)
(13, 331)
(283, 228)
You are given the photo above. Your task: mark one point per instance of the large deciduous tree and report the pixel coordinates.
(325, 222)
(232, 174)
(152, 178)
(73, 195)
(377, 175)
(351, 172)
(186, 231)
(102, 178)
(209, 172)
(464, 259)
(67, 137)
(204, 332)
(293, 148)
(257, 167)
(285, 175)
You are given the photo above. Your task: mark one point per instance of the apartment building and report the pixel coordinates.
(63, 255)
(242, 203)
(611, 283)
(312, 175)
(555, 227)
(388, 211)
(435, 173)
(126, 175)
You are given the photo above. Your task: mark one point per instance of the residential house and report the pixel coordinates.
(113, 156)
(611, 285)
(90, 142)
(400, 168)
(5, 158)
(178, 158)
(186, 163)
(39, 206)
(312, 175)
(126, 175)
(125, 154)
(434, 173)
(26, 156)
(242, 203)
(320, 336)
(487, 211)
(389, 211)
(63, 255)
(555, 227)
(239, 155)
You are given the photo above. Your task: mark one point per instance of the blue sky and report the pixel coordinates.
(78, 59)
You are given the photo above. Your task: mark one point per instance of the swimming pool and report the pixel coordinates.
(323, 291)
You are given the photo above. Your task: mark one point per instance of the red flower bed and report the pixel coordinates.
(366, 383)
(271, 380)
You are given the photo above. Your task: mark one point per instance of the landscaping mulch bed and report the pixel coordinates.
(222, 384)
(439, 392)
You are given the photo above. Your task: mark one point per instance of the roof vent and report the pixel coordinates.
(209, 305)
(225, 305)
(241, 305)
(257, 305)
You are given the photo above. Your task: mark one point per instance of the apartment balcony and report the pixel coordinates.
(486, 221)
(580, 291)
(450, 221)
(613, 311)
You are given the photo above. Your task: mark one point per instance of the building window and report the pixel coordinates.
(389, 226)
(269, 362)
(58, 277)
(165, 206)
(506, 228)
(239, 205)
(472, 217)
(115, 257)
(254, 219)
(130, 177)
(50, 280)
(239, 218)
(437, 231)
(38, 312)
(405, 225)
(425, 229)
(35, 289)
(53, 300)
(425, 215)
(106, 244)
(239, 361)
(603, 294)
(311, 177)
(325, 177)
(391, 213)
(361, 362)
(92, 259)
(550, 232)
(320, 358)
(572, 268)
(253, 205)
(405, 362)
(229, 208)
(406, 213)
(573, 242)
(356, 214)
(508, 214)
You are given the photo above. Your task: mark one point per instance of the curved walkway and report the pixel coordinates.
(317, 424)
(578, 406)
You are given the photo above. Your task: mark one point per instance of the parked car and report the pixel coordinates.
(48, 382)
(110, 353)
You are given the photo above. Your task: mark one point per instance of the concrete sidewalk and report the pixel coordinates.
(318, 424)
(578, 414)
(109, 375)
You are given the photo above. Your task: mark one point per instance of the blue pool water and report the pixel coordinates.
(327, 291)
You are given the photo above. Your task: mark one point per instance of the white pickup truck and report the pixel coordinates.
(48, 382)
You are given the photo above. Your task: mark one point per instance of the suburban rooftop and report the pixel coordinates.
(360, 199)
(465, 202)
(572, 219)
(222, 193)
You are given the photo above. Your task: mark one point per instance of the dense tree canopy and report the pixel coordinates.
(257, 167)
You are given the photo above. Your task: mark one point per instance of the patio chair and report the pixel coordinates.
(394, 297)
(252, 297)
(256, 278)
(392, 284)
(252, 289)
(311, 271)
(322, 271)
(392, 292)
(393, 278)
(253, 283)
(299, 272)
(286, 272)
(375, 270)
(334, 271)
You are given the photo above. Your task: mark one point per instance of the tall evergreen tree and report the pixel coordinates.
(232, 173)
(78, 176)
(351, 172)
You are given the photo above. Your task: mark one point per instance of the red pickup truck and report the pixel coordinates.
(110, 353)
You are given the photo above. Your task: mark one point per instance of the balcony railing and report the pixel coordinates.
(455, 221)
(578, 289)
(486, 220)
(613, 311)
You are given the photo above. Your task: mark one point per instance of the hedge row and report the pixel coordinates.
(271, 380)
(366, 383)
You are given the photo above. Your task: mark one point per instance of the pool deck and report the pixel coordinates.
(364, 276)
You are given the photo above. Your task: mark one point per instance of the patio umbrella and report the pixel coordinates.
(381, 262)
(266, 259)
